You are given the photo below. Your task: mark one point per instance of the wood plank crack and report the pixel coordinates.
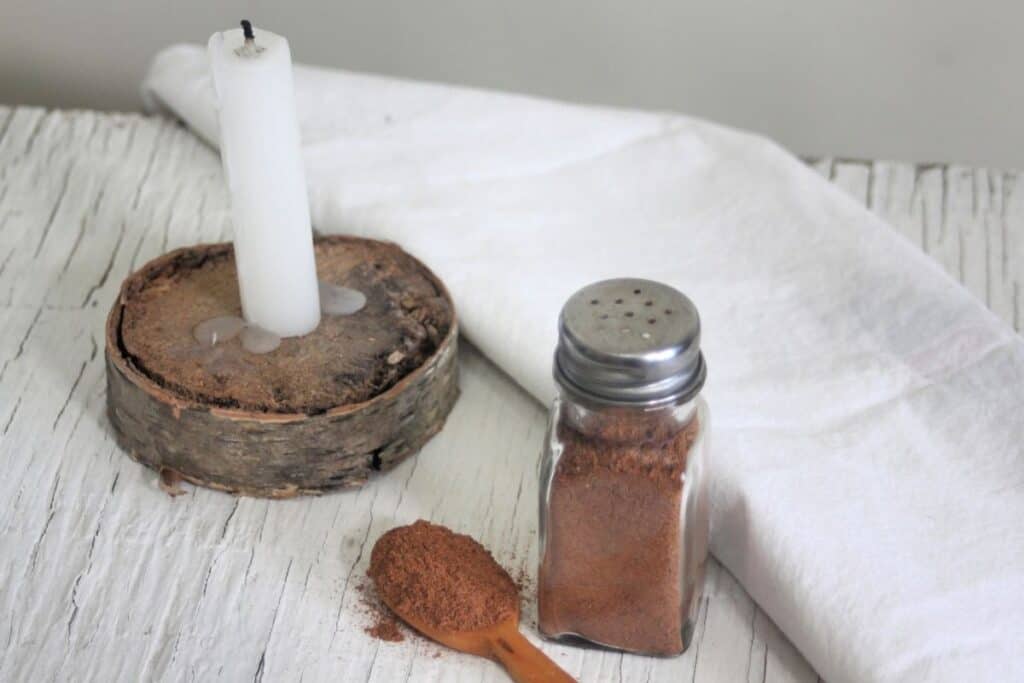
(7, 124)
(71, 392)
(65, 182)
(753, 634)
(110, 264)
(227, 520)
(258, 676)
(21, 344)
(705, 606)
(355, 565)
(148, 168)
(31, 139)
(88, 568)
(14, 412)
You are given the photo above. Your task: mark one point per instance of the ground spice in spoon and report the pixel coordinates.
(444, 579)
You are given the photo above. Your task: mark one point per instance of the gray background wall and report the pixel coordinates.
(898, 79)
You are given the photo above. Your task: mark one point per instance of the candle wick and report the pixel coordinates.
(249, 48)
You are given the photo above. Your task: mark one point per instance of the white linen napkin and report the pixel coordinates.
(868, 435)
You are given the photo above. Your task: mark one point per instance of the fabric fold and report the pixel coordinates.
(868, 443)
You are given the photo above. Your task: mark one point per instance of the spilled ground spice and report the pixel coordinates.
(386, 628)
(442, 579)
(383, 624)
(613, 569)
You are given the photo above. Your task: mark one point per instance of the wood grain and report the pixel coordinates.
(107, 578)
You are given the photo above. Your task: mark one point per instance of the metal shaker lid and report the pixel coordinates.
(630, 342)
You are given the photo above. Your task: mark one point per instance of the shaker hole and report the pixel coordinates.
(629, 314)
(648, 303)
(604, 316)
(636, 291)
(594, 302)
(618, 301)
(651, 321)
(668, 311)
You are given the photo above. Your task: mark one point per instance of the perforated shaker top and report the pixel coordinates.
(630, 341)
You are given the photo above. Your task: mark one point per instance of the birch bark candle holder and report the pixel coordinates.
(323, 411)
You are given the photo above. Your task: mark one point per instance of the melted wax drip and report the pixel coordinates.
(337, 300)
(226, 327)
(215, 330)
(255, 339)
(334, 300)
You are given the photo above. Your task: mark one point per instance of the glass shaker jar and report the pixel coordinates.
(623, 479)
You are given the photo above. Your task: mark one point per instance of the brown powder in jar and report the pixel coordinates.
(444, 579)
(612, 569)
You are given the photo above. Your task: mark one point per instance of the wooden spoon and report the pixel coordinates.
(502, 643)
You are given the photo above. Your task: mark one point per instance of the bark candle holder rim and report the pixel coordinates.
(220, 446)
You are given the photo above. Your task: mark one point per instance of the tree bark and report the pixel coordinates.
(227, 445)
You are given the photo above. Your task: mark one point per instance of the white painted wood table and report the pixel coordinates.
(103, 577)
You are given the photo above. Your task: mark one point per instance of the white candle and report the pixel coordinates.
(259, 147)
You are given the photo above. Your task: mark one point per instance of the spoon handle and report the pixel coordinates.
(524, 662)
